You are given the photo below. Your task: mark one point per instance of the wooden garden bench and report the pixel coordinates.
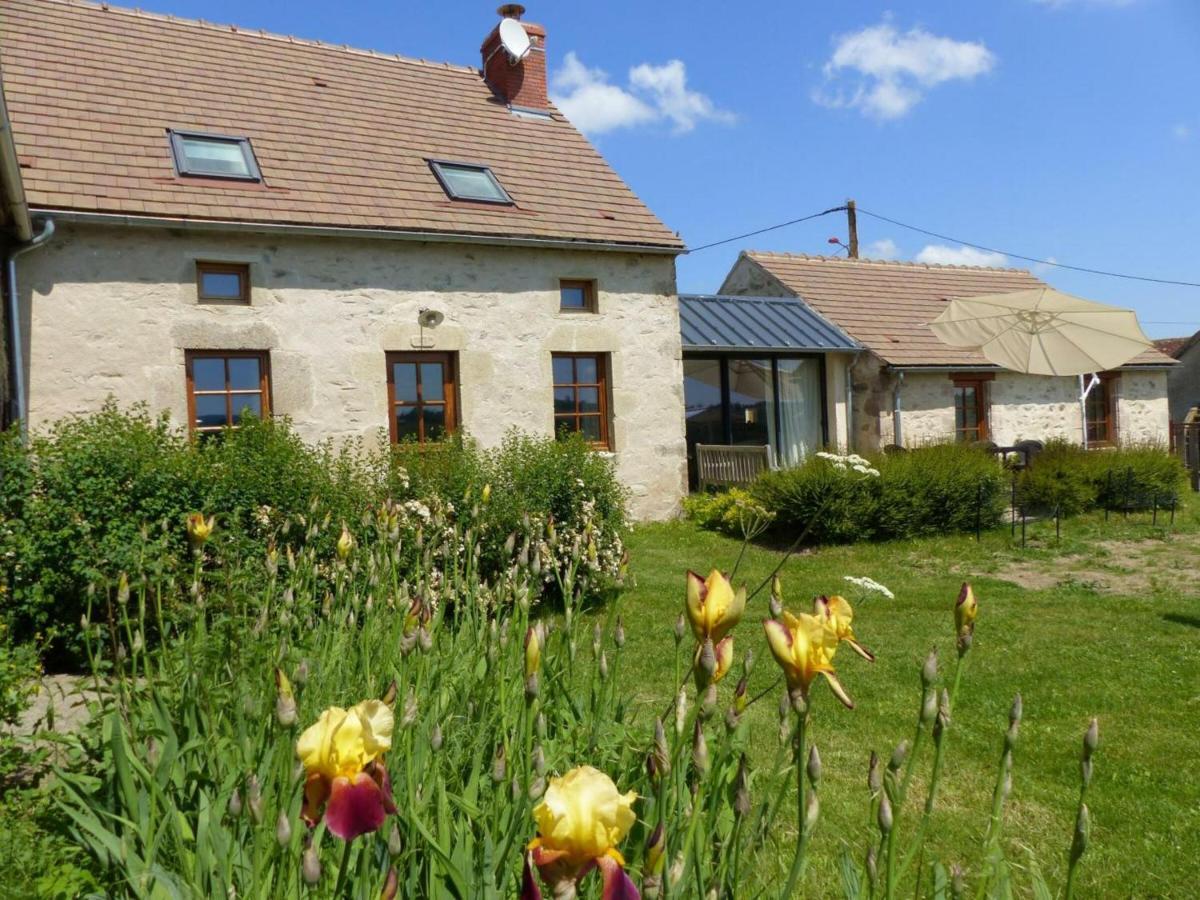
(720, 465)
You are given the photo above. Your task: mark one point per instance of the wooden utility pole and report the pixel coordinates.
(852, 223)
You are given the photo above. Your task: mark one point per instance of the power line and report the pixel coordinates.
(944, 237)
(1032, 259)
(765, 230)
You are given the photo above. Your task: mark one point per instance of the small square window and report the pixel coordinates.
(465, 181)
(218, 282)
(577, 296)
(214, 156)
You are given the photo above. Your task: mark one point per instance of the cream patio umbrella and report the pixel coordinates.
(1044, 332)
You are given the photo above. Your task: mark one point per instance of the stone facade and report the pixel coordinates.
(1020, 407)
(109, 311)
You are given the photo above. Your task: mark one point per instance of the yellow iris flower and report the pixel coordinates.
(838, 613)
(966, 608)
(581, 820)
(199, 528)
(713, 607)
(804, 646)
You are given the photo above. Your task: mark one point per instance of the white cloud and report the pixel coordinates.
(885, 73)
(940, 254)
(884, 249)
(654, 93)
(667, 86)
(1182, 132)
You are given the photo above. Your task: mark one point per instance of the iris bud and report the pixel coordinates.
(680, 628)
(885, 814)
(235, 803)
(435, 738)
(310, 865)
(283, 829)
(814, 766)
(930, 669)
(1091, 739)
(662, 756)
(899, 755)
(874, 778)
(700, 750)
(394, 842)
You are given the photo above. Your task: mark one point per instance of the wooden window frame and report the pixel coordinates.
(590, 295)
(449, 363)
(983, 428)
(601, 383)
(264, 385)
(211, 267)
(1108, 382)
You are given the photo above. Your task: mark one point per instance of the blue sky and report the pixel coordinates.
(1064, 129)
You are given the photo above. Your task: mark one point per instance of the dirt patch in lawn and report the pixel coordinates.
(1117, 567)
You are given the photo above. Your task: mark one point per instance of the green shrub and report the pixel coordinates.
(734, 511)
(1137, 476)
(1070, 479)
(842, 506)
(1060, 478)
(938, 488)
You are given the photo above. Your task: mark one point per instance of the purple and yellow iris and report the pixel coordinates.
(347, 782)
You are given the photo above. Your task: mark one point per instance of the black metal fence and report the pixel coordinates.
(1185, 443)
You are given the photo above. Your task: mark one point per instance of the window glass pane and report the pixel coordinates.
(751, 401)
(573, 296)
(406, 423)
(564, 370)
(435, 421)
(210, 411)
(432, 387)
(404, 377)
(702, 401)
(589, 400)
(586, 370)
(471, 184)
(244, 374)
(251, 403)
(209, 156)
(564, 400)
(589, 426)
(221, 284)
(208, 373)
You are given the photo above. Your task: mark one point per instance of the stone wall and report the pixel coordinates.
(110, 312)
(1033, 407)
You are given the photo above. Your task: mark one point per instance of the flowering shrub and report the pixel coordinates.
(734, 511)
(107, 493)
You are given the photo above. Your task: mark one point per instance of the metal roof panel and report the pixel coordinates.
(775, 324)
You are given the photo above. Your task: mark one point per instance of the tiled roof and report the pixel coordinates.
(888, 305)
(342, 136)
(1175, 346)
(709, 322)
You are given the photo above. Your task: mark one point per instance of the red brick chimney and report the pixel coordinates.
(523, 84)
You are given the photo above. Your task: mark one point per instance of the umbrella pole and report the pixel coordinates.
(1085, 388)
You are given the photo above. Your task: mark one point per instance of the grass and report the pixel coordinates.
(1104, 622)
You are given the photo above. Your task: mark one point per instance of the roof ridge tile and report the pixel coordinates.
(260, 33)
(900, 263)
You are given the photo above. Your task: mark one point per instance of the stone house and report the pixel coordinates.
(1183, 382)
(905, 387)
(370, 245)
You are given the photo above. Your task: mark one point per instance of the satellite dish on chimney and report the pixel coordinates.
(429, 318)
(514, 40)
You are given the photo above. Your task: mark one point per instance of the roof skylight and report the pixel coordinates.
(214, 156)
(466, 181)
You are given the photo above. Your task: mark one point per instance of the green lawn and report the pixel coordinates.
(1105, 623)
